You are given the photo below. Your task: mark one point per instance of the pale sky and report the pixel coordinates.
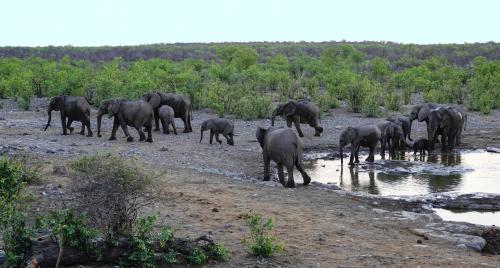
(127, 22)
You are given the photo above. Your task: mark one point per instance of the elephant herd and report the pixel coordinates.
(281, 145)
(442, 120)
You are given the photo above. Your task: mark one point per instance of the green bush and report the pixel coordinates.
(197, 257)
(262, 242)
(252, 107)
(218, 252)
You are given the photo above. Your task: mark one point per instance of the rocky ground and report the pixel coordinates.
(209, 188)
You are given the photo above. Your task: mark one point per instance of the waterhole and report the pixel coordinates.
(409, 175)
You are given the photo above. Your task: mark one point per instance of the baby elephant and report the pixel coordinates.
(218, 126)
(284, 147)
(166, 114)
(421, 145)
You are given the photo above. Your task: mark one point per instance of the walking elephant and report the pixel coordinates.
(137, 114)
(218, 126)
(446, 121)
(72, 109)
(366, 136)
(180, 104)
(283, 147)
(298, 112)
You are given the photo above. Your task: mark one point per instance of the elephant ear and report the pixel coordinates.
(113, 107)
(423, 113)
(289, 109)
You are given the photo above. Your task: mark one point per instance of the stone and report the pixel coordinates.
(493, 150)
(59, 170)
(163, 149)
(379, 211)
(2, 256)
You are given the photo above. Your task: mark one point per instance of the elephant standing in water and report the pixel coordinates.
(283, 147)
(137, 114)
(180, 104)
(72, 108)
(218, 126)
(298, 112)
(391, 134)
(366, 136)
(448, 122)
(405, 124)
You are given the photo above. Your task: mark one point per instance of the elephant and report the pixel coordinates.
(392, 135)
(366, 136)
(181, 105)
(422, 112)
(405, 124)
(446, 121)
(283, 147)
(72, 108)
(298, 112)
(218, 126)
(421, 145)
(166, 114)
(137, 114)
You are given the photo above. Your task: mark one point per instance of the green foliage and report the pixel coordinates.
(170, 258)
(262, 242)
(218, 252)
(197, 257)
(69, 230)
(241, 79)
(15, 233)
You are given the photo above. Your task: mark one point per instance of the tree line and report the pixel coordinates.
(244, 79)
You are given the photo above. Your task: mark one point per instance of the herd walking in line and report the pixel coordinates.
(281, 145)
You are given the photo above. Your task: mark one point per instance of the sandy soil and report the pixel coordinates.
(209, 188)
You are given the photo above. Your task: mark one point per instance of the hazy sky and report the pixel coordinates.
(127, 22)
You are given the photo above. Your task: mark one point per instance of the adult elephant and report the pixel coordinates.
(298, 112)
(392, 135)
(366, 136)
(446, 121)
(180, 104)
(72, 109)
(137, 114)
(283, 147)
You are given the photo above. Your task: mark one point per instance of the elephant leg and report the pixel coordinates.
(63, 123)
(164, 125)
(296, 122)
(68, 125)
(229, 138)
(281, 174)
(113, 131)
(289, 122)
(87, 124)
(142, 136)
(211, 136)
(356, 153)
(82, 132)
(149, 129)
(444, 143)
(267, 167)
(290, 183)
(217, 138)
(371, 155)
(382, 148)
(156, 114)
(124, 127)
(186, 125)
(173, 126)
(305, 177)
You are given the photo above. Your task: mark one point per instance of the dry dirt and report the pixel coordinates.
(209, 188)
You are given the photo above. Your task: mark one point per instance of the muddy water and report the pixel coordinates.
(464, 172)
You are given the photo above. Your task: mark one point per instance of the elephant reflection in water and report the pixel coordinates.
(355, 184)
(448, 182)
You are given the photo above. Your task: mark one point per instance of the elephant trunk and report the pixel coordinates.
(341, 154)
(201, 134)
(49, 111)
(273, 117)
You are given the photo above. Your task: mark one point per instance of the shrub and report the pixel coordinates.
(219, 252)
(262, 243)
(252, 107)
(197, 257)
(110, 191)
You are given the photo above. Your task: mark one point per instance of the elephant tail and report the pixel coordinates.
(465, 125)
(191, 112)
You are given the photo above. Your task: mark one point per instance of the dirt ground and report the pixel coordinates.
(209, 188)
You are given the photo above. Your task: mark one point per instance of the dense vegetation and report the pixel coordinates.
(243, 79)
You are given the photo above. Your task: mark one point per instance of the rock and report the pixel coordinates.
(59, 170)
(493, 150)
(470, 241)
(73, 144)
(163, 149)
(215, 210)
(4, 149)
(50, 151)
(53, 140)
(379, 211)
